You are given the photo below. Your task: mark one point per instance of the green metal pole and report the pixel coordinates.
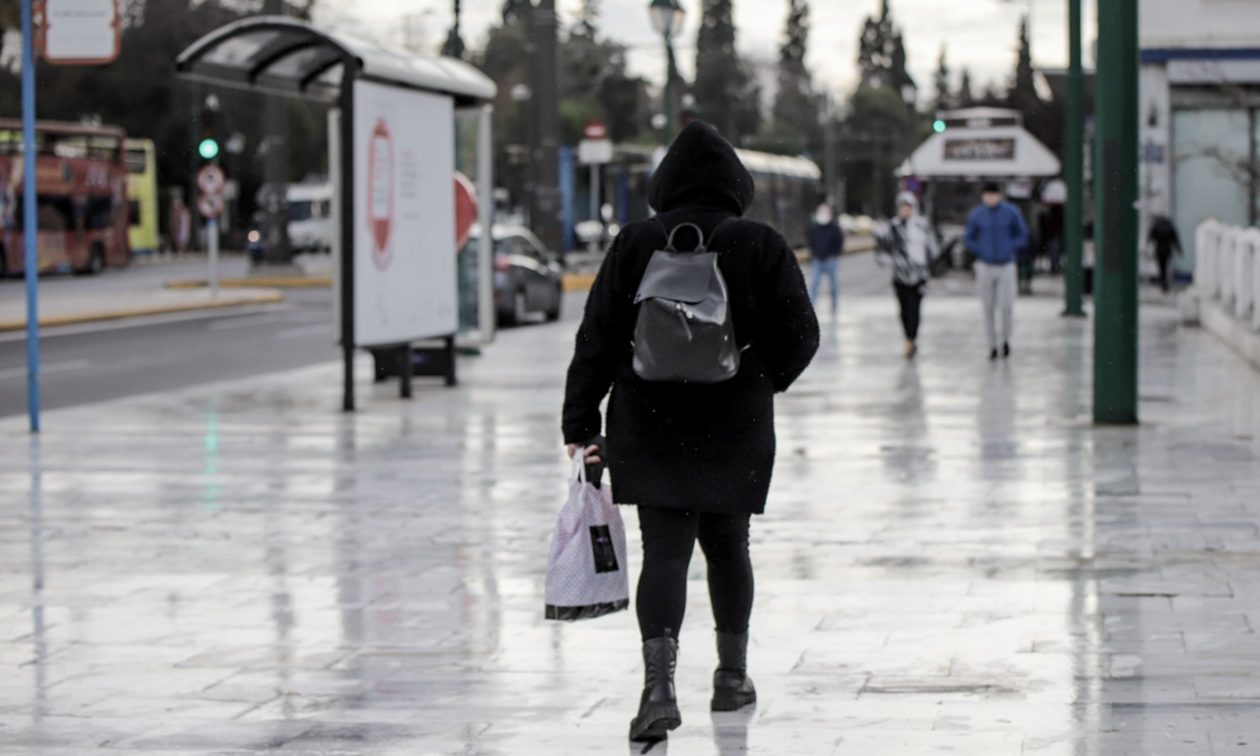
(1116, 223)
(1074, 168)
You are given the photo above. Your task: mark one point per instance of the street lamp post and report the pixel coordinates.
(667, 19)
(1073, 165)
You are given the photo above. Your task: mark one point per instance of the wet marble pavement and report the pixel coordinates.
(954, 561)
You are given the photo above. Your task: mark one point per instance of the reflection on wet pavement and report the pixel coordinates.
(954, 560)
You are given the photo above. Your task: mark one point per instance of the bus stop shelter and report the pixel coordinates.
(392, 159)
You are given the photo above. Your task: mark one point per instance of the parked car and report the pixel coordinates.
(528, 278)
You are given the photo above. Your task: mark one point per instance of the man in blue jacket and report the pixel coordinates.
(996, 234)
(826, 244)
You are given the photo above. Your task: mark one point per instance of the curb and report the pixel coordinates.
(294, 282)
(140, 312)
(578, 281)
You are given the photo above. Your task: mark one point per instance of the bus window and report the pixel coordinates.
(100, 214)
(53, 214)
(137, 161)
(301, 210)
(133, 213)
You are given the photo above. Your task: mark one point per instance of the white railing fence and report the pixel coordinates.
(1227, 269)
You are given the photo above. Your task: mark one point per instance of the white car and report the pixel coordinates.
(310, 217)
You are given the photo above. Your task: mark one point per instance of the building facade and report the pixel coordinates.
(1200, 114)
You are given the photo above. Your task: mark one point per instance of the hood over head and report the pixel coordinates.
(908, 198)
(701, 169)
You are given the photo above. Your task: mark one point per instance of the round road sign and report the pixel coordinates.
(211, 180)
(595, 131)
(210, 206)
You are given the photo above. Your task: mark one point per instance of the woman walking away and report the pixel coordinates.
(910, 245)
(694, 455)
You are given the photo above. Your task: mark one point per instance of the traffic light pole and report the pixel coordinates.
(1115, 226)
(1074, 168)
(30, 227)
(275, 173)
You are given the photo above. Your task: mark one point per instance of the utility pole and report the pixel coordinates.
(275, 168)
(1115, 217)
(1074, 167)
(546, 156)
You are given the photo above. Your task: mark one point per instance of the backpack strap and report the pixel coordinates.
(669, 243)
(701, 247)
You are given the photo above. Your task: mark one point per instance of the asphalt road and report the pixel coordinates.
(98, 362)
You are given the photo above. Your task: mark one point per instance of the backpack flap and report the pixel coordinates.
(685, 277)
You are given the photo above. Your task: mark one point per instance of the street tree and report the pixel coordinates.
(795, 127)
(881, 127)
(882, 53)
(727, 94)
(965, 97)
(516, 11)
(595, 83)
(943, 98)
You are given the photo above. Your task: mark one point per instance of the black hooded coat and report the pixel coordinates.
(707, 448)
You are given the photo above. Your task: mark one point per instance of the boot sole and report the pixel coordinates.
(732, 701)
(657, 721)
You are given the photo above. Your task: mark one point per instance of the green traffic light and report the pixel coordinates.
(938, 126)
(208, 149)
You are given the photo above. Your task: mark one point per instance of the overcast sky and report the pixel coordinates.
(979, 34)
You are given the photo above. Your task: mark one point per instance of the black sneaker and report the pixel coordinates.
(993, 355)
(1006, 350)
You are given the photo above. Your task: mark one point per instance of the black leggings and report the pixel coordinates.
(910, 297)
(669, 537)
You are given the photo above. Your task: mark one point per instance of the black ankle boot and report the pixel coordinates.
(732, 687)
(658, 708)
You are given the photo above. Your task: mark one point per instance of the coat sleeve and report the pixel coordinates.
(933, 243)
(789, 333)
(594, 356)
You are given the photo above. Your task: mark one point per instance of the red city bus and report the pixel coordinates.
(81, 175)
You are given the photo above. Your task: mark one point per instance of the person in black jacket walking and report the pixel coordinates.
(695, 459)
(1164, 239)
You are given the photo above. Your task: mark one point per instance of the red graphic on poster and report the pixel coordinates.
(465, 209)
(380, 199)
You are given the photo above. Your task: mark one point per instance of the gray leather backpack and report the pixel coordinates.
(684, 332)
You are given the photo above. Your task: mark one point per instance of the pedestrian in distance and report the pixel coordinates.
(826, 245)
(694, 457)
(909, 247)
(1164, 239)
(996, 235)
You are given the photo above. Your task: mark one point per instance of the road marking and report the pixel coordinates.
(118, 325)
(251, 321)
(47, 369)
(300, 332)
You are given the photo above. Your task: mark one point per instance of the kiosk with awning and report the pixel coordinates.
(392, 156)
(981, 143)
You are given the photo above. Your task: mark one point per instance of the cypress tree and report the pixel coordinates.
(726, 94)
(796, 111)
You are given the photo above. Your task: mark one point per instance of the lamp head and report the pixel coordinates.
(667, 17)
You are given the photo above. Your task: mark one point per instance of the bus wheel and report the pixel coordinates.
(4, 262)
